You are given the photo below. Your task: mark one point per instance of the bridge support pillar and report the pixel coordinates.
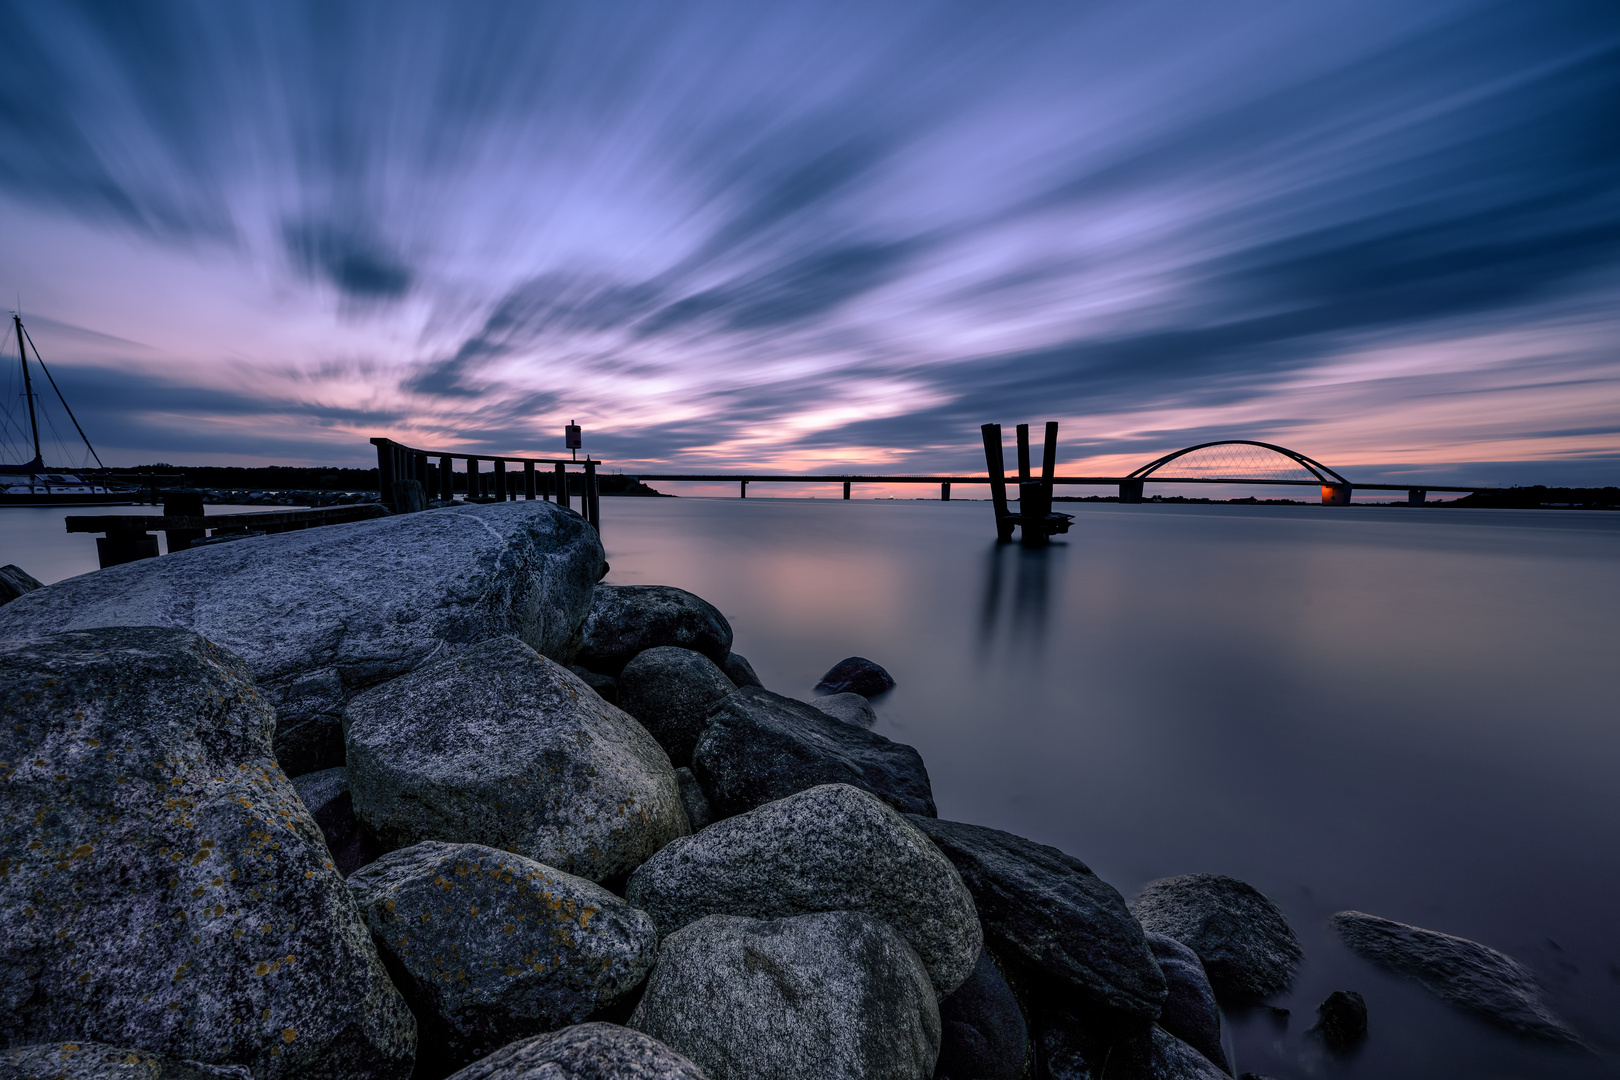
(945, 492)
(1416, 497)
(744, 493)
(1130, 491)
(846, 489)
(1335, 494)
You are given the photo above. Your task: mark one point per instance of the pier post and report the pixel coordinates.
(744, 493)
(846, 489)
(1130, 491)
(591, 496)
(500, 481)
(945, 492)
(1049, 453)
(182, 504)
(125, 545)
(528, 480)
(562, 486)
(1335, 494)
(1416, 497)
(996, 468)
(447, 478)
(1034, 503)
(1023, 453)
(385, 472)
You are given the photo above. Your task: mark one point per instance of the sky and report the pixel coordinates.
(824, 237)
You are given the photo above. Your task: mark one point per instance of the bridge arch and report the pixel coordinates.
(1234, 469)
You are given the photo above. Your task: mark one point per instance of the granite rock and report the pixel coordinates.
(584, 1052)
(831, 848)
(497, 745)
(834, 996)
(855, 675)
(491, 947)
(99, 1061)
(627, 619)
(606, 686)
(325, 795)
(1475, 977)
(852, 709)
(672, 691)
(320, 615)
(740, 671)
(1248, 949)
(759, 746)
(983, 1033)
(14, 581)
(1045, 910)
(693, 799)
(1190, 1012)
(1173, 1059)
(161, 884)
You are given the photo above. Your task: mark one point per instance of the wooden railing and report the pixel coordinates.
(408, 478)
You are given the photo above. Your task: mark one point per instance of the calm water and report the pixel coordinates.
(1407, 712)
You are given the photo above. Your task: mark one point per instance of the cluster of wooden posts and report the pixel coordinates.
(1036, 522)
(409, 479)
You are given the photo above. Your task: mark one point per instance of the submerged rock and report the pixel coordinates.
(1190, 1012)
(14, 581)
(671, 691)
(834, 996)
(759, 746)
(852, 709)
(1248, 949)
(325, 795)
(1045, 910)
(832, 848)
(494, 947)
(627, 619)
(99, 1061)
(527, 760)
(740, 671)
(1341, 1021)
(855, 675)
(163, 887)
(320, 615)
(584, 1052)
(1472, 976)
(983, 1033)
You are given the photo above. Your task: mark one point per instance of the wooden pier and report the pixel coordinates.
(409, 478)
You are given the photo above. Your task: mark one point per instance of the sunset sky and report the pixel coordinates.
(824, 237)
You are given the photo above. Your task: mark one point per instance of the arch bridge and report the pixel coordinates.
(1242, 461)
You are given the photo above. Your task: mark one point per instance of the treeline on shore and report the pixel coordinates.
(299, 478)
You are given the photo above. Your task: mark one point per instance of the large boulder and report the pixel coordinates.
(99, 1061)
(1046, 911)
(759, 746)
(325, 795)
(856, 675)
(497, 745)
(1190, 1012)
(850, 708)
(671, 692)
(983, 1033)
(584, 1052)
(161, 884)
(490, 947)
(832, 848)
(836, 996)
(627, 619)
(1247, 947)
(322, 614)
(1173, 1059)
(740, 671)
(1471, 976)
(14, 581)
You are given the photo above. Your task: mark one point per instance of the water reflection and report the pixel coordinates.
(1014, 615)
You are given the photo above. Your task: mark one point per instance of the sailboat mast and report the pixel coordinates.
(28, 390)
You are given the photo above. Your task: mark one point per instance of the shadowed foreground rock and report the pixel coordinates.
(695, 802)
(1190, 1012)
(1045, 910)
(99, 1061)
(627, 619)
(163, 886)
(833, 996)
(983, 1033)
(14, 581)
(1173, 1059)
(671, 692)
(325, 795)
(1465, 973)
(322, 614)
(1248, 949)
(740, 671)
(491, 947)
(497, 745)
(850, 708)
(832, 848)
(585, 1052)
(760, 746)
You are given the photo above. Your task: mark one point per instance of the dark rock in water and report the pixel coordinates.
(855, 675)
(606, 686)
(761, 746)
(1045, 909)
(325, 795)
(628, 619)
(1341, 1021)
(1247, 947)
(983, 1034)
(497, 745)
(320, 615)
(163, 886)
(852, 709)
(99, 1061)
(671, 692)
(584, 1052)
(692, 798)
(1465, 973)
(526, 948)
(740, 671)
(1190, 1013)
(832, 848)
(833, 996)
(14, 581)
(1173, 1059)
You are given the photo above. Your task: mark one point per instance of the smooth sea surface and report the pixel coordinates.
(1408, 712)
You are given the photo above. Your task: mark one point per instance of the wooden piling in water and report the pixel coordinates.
(997, 470)
(1023, 452)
